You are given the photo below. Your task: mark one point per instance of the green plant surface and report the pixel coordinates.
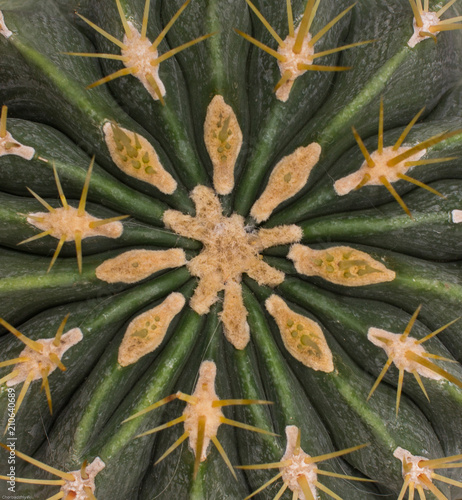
(230, 249)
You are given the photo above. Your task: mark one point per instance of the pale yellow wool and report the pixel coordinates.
(139, 56)
(397, 348)
(297, 466)
(229, 250)
(349, 183)
(205, 396)
(234, 316)
(147, 331)
(223, 139)
(292, 61)
(135, 156)
(64, 222)
(288, 177)
(302, 337)
(38, 361)
(79, 485)
(340, 265)
(136, 265)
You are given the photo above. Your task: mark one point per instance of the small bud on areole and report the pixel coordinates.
(223, 140)
(135, 156)
(147, 331)
(302, 337)
(340, 265)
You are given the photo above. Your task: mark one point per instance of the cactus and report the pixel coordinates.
(231, 240)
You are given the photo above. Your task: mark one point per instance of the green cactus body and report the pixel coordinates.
(230, 243)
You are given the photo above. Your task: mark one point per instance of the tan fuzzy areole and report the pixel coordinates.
(287, 179)
(202, 417)
(292, 62)
(420, 473)
(398, 349)
(38, 361)
(302, 337)
(65, 222)
(136, 265)
(340, 265)
(351, 182)
(139, 56)
(141, 59)
(135, 156)
(296, 53)
(205, 396)
(147, 331)
(229, 251)
(223, 139)
(299, 471)
(297, 465)
(408, 355)
(84, 481)
(71, 224)
(386, 166)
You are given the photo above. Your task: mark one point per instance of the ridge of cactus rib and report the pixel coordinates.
(230, 249)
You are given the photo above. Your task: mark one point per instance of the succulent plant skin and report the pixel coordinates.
(253, 215)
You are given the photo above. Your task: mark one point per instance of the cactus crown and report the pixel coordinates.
(246, 160)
